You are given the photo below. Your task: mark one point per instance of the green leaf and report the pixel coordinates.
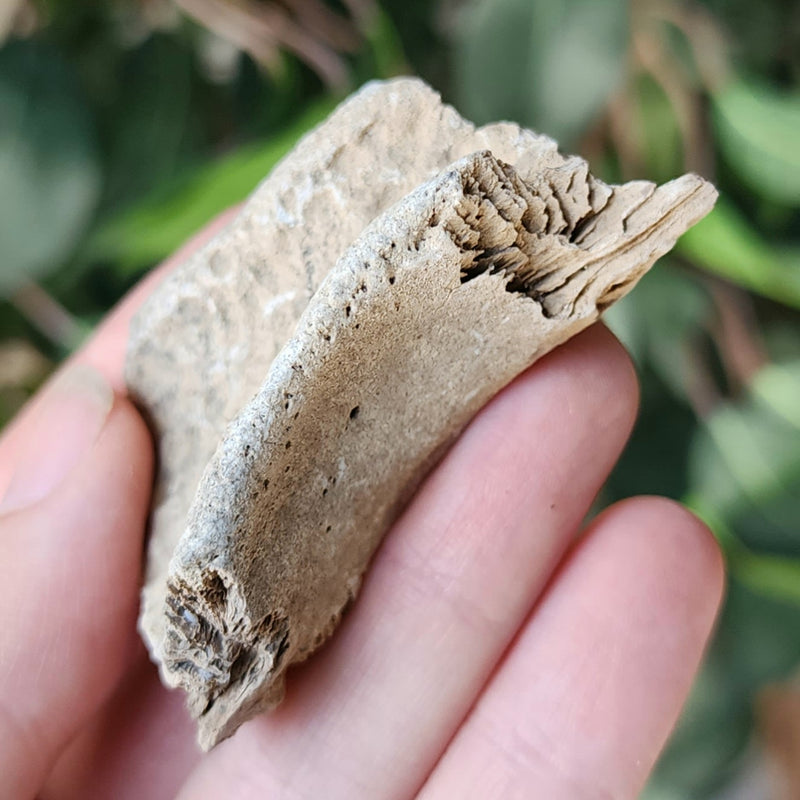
(753, 449)
(661, 137)
(154, 228)
(743, 461)
(758, 637)
(778, 387)
(148, 125)
(771, 576)
(548, 65)
(775, 577)
(745, 481)
(758, 129)
(660, 322)
(49, 168)
(725, 243)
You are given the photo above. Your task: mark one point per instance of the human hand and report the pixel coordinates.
(489, 654)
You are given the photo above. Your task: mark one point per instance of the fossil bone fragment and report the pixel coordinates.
(345, 353)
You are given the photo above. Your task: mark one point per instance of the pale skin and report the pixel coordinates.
(497, 649)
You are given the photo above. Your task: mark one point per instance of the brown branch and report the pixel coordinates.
(620, 121)
(736, 334)
(706, 39)
(684, 101)
(362, 11)
(261, 45)
(261, 29)
(625, 133)
(323, 22)
(778, 717)
(702, 392)
(10, 12)
(47, 315)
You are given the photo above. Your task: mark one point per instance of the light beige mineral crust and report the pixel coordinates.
(308, 367)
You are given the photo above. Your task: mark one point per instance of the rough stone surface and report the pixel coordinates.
(306, 369)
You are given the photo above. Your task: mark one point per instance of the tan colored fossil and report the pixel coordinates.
(308, 367)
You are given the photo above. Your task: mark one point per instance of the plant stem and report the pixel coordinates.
(48, 316)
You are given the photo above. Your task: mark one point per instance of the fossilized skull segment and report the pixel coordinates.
(379, 338)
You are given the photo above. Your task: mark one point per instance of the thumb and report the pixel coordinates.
(71, 526)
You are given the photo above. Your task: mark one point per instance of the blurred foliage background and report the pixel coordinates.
(127, 124)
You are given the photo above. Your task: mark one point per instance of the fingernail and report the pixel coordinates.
(62, 429)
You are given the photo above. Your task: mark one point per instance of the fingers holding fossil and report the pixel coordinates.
(440, 302)
(306, 369)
